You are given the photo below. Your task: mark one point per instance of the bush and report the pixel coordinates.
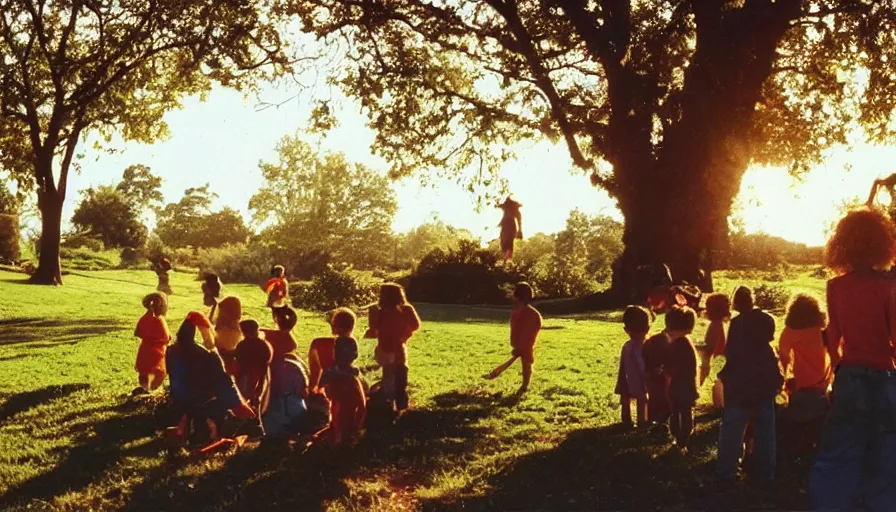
(772, 298)
(82, 240)
(332, 289)
(821, 273)
(467, 275)
(84, 258)
(238, 263)
(130, 257)
(9, 239)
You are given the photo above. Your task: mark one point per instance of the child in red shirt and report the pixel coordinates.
(154, 336)
(277, 288)
(281, 339)
(392, 322)
(525, 324)
(322, 354)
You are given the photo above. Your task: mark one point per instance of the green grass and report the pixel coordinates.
(71, 439)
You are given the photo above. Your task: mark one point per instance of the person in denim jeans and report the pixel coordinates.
(752, 378)
(856, 461)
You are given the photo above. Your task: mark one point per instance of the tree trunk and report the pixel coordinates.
(49, 268)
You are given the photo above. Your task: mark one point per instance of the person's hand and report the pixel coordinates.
(519, 235)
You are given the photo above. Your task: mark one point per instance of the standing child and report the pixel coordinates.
(277, 287)
(718, 311)
(322, 353)
(154, 336)
(632, 383)
(682, 370)
(253, 378)
(525, 323)
(343, 387)
(393, 321)
(211, 290)
(161, 268)
(656, 355)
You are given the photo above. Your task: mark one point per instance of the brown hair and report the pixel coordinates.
(285, 317)
(864, 239)
(523, 292)
(743, 299)
(718, 307)
(805, 312)
(637, 319)
(249, 328)
(392, 296)
(681, 318)
(343, 319)
(156, 298)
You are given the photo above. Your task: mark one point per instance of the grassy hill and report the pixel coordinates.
(72, 439)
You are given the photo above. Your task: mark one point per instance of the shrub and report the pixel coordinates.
(771, 297)
(332, 289)
(84, 258)
(130, 257)
(80, 240)
(9, 238)
(238, 263)
(821, 272)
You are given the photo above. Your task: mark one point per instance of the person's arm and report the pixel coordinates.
(518, 218)
(785, 350)
(412, 317)
(373, 320)
(835, 336)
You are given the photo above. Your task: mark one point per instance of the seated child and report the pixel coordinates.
(525, 324)
(253, 358)
(682, 370)
(631, 382)
(718, 311)
(281, 339)
(200, 388)
(322, 354)
(656, 354)
(227, 331)
(277, 288)
(154, 336)
(343, 387)
(287, 407)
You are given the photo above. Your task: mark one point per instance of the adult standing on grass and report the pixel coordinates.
(752, 379)
(525, 324)
(859, 434)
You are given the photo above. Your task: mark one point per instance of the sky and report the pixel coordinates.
(221, 141)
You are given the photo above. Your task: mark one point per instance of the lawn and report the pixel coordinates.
(72, 439)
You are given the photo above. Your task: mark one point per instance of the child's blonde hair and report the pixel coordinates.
(230, 310)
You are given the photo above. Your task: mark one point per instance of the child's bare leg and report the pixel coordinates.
(527, 376)
(500, 369)
(642, 412)
(156, 379)
(626, 402)
(144, 381)
(705, 365)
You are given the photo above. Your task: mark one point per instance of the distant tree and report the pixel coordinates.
(141, 188)
(9, 203)
(191, 223)
(104, 212)
(322, 201)
(413, 245)
(71, 68)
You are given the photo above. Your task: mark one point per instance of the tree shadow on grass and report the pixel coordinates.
(420, 445)
(97, 448)
(56, 331)
(613, 468)
(21, 402)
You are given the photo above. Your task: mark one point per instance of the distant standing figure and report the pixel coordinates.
(511, 226)
(162, 267)
(154, 336)
(631, 383)
(857, 452)
(277, 288)
(211, 290)
(525, 324)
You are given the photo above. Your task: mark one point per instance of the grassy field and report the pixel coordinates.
(72, 439)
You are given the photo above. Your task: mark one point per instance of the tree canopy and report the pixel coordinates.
(105, 213)
(664, 103)
(321, 201)
(141, 187)
(191, 222)
(79, 67)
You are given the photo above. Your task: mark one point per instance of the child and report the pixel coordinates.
(161, 268)
(227, 331)
(718, 311)
(511, 226)
(656, 354)
(253, 358)
(281, 339)
(322, 354)
(211, 290)
(345, 390)
(682, 370)
(631, 383)
(525, 323)
(154, 336)
(277, 287)
(393, 321)
(752, 379)
(857, 453)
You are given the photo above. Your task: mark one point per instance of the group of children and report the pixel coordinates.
(257, 375)
(840, 397)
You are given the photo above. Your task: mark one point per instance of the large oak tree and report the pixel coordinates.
(664, 103)
(70, 68)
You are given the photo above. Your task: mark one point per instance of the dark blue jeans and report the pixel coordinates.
(856, 459)
(731, 441)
